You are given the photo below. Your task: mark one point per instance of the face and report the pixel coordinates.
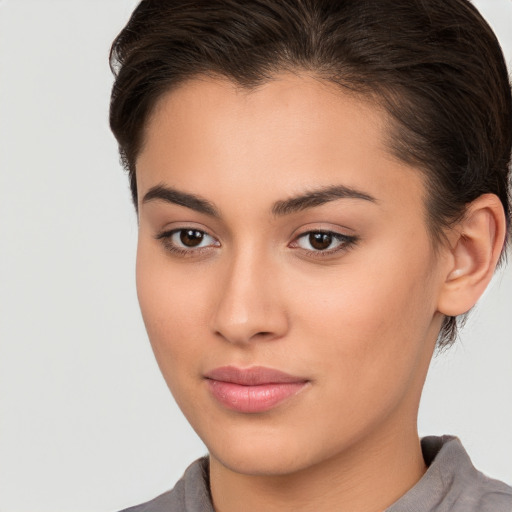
(285, 271)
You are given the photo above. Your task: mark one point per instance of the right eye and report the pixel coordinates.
(187, 241)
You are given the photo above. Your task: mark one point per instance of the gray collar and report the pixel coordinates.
(452, 484)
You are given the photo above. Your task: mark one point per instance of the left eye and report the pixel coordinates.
(322, 241)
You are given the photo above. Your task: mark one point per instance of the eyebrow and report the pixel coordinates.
(318, 198)
(280, 208)
(171, 195)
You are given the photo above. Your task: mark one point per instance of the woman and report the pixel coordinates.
(322, 193)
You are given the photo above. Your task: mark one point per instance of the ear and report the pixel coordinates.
(474, 249)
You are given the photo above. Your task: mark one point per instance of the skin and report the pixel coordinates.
(358, 322)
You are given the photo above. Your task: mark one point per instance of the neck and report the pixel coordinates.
(368, 477)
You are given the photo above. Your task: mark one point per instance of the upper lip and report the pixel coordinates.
(253, 376)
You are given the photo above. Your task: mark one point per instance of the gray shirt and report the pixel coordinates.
(451, 484)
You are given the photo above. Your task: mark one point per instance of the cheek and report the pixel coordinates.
(173, 308)
(375, 311)
(371, 320)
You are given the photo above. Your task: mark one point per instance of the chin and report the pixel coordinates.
(260, 462)
(263, 453)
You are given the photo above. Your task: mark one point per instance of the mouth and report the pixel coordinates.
(252, 390)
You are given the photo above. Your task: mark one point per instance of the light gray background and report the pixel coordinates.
(86, 422)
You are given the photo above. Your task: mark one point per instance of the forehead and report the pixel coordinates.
(291, 132)
(295, 106)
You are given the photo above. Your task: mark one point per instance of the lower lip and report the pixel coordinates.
(251, 399)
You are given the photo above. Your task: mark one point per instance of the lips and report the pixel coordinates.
(252, 390)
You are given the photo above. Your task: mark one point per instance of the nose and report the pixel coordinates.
(249, 303)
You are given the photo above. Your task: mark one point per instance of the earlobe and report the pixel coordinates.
(476, 244)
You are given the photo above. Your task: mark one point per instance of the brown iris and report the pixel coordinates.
(320, 241)
(191, 237)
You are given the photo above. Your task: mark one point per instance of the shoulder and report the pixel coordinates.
(452, 483)
(190, 494)
(466, 488)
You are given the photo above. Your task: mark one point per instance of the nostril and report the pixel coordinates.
(243, 336)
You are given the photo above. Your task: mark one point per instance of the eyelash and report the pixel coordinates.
(345, 243)
(166, 238)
